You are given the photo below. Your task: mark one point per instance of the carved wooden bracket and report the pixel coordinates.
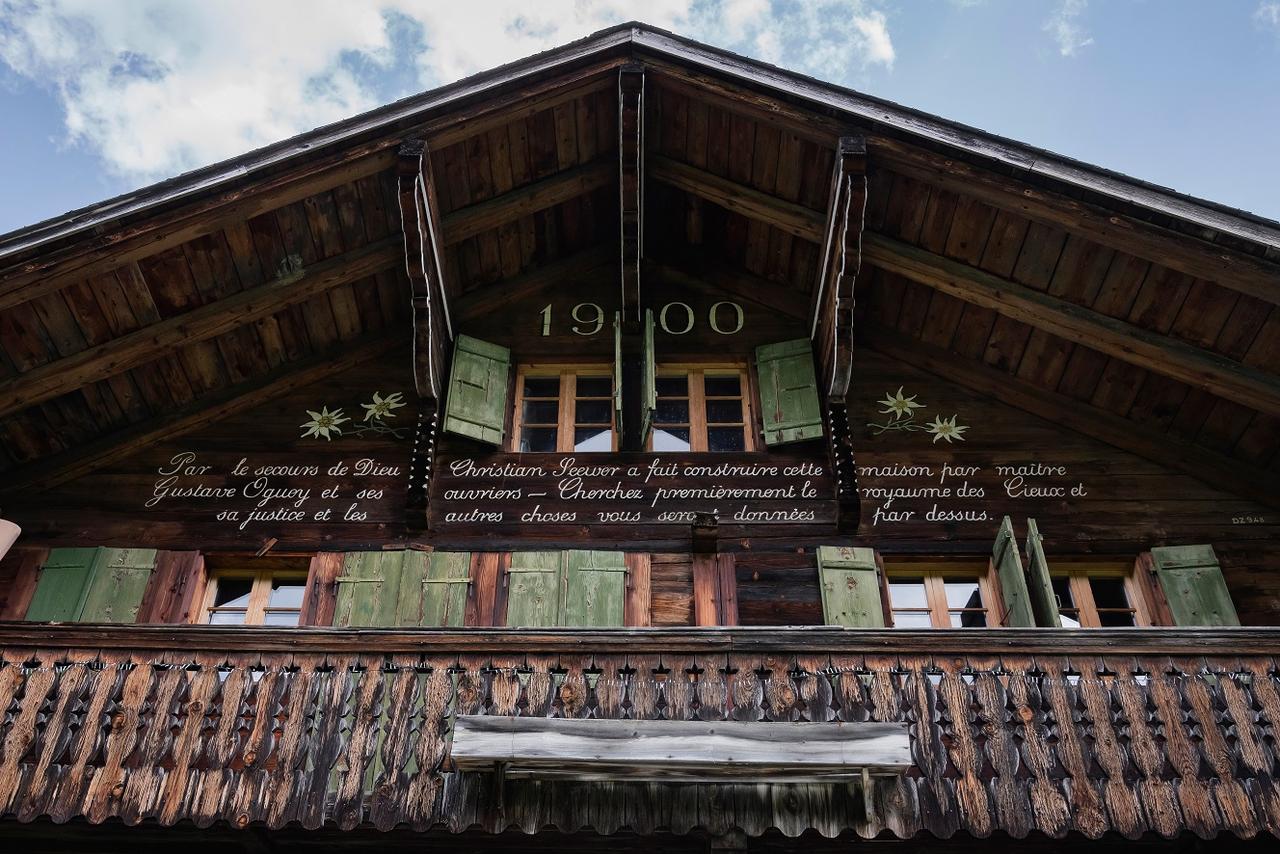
(631, 184)
(419, 222)
(833, 304)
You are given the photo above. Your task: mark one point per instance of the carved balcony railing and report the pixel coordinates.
(1111, 731)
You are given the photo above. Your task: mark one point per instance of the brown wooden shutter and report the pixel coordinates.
(789, 402)
(1013, 583)
(1194, 586)
(1044, 602)
(477, 401)
(850, 584)
(97, 585)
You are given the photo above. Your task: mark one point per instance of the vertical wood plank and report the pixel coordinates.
(638, 609)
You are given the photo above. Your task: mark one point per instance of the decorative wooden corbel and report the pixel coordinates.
(832, 316)
(432, 327)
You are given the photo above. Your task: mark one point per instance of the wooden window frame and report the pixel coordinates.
(934, 575)
(696, 372)
(1135, 590)
(259, 593)
(566, 415)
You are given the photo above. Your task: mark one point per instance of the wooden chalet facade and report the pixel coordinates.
(641, 382)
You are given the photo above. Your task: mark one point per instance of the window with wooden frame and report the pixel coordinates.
(702, 408)
(1100, 595)
(941, 596)
(564, 408)
(243, 596)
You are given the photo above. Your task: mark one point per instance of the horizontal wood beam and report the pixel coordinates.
(208, 321)
(510, 206)
(597, 749)
(500, 643)
(702, 277)
(1227, 267)
(502, 293)
(60, 468)
(1217, 470)
(790, 217)
(1149, 350)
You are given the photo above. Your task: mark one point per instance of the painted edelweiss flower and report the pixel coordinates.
(382, 406)
(899, 406)
(946, 428)
(324, 423)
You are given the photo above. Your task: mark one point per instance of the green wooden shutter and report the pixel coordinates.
(1013, 583)
(92, 585)
(381, 589)
(1044, 602)
(789, 401)
(648, 380)
(116, 586)
(595, 588)
(534, 582)
(1193, 584)
(444, 589)
(850, 587)
(477, 403)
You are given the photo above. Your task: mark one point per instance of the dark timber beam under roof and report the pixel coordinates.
(1152, 351)
(697, 274)
(498, 295)
(542, 194)
(419, 223)
(631, 157)
(60, 468)
(208, 321)
(1215, 469)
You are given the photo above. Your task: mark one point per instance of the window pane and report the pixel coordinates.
(907, 593)
(1116, 618)
(227, 618)
(725, 439)
(1070, 619)
(1109, 593)
(595, 387)
(968, 619)
(280, 618)
(730, 386)
(538, 440)
(724, 411)
(541, 386)
(911, 620)
(593, 439)
(672, 412)
(963, 594)
(233, 592)
(593, 411)
(671, 439)
(286, 593)
(673, 386)
(1062, 589)
(541, 412)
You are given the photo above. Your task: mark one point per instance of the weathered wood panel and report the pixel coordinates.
(167, 726)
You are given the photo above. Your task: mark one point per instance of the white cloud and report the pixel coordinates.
(1066, 30)
(155, 87)
(1268, 14)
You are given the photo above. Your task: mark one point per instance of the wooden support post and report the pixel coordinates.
(432, 326)
(631, 372)
(421, 459)
(631, 184)
(832, 316)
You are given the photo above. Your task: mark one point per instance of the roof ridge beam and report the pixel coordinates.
(118, 355)
(1117, 338)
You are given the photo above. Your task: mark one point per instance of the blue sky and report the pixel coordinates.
(99, 97)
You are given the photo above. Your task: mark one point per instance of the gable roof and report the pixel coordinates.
(1093, 297)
